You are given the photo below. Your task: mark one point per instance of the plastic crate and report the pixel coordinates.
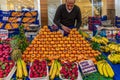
(31, 13)
(40, 78)
(17, 13)
(78, 78)
(10, 74)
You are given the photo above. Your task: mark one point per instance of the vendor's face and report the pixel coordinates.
(70, 4)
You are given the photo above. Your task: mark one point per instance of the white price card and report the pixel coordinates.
(5, 18)
(3, 34)
(87, 67)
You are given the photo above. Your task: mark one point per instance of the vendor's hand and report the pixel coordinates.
(66, 29)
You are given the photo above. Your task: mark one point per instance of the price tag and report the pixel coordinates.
(3, 34)
(5, 18)
(19, 19)
(87, 67)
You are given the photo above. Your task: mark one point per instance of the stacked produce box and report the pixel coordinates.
(92, 22)
(16, 18)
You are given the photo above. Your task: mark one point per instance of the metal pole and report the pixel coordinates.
(92, 7)
(39, 11)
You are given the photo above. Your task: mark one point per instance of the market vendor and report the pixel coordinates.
(68, 16)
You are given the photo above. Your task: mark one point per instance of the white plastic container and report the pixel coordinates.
(78, 78)
(40, 78)
(10, 74)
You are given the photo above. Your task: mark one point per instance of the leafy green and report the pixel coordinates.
(3, 66)
(20, 41)
(95, 45)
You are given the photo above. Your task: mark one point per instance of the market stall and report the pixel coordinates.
(52, 56)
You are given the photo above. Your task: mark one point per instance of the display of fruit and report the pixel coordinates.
(84, 34)
(112, 47)
(21, 69)
(55, 69)
(28, 19)
(15, 25)
(38, 69)
(8, 26)
(1, 24)
(5, 50)
(17, 13)
(101, 40)
(105, 69)
(5, 67)
(95, 45)
(13, 19)
(11, 26)
(73, 48)
(114, 58)
(69, 71)
(30, 14)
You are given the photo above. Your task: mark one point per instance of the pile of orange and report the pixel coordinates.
(53, 45)
(17, 13)
(30, 14)
(28, 19)
(13, 19)
(9, 26)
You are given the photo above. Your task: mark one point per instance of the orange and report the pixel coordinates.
(43, 49)
(54, 39)
(35, 45)
(25, 52)
(40, 45)
(31, 45)
(61, 42)
(73, 45)
(52, 36)
(35, 52)
(23, 56)
(59, 39)
(38, 49)
(45, 33)
(61, 35)
(62, 55)
(56, 36)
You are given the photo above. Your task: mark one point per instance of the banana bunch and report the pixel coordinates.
(105, 69)
(84, 34)
(100, 40)
(21, 69)
(55, 69)
(105, 48)
(114, 47)
(114, 58)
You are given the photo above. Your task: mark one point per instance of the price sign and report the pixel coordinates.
(87, 67)
(5, 18)
(3, 34)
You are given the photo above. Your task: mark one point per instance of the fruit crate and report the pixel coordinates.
(39, 78)
(10, 74)
(78, 78)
